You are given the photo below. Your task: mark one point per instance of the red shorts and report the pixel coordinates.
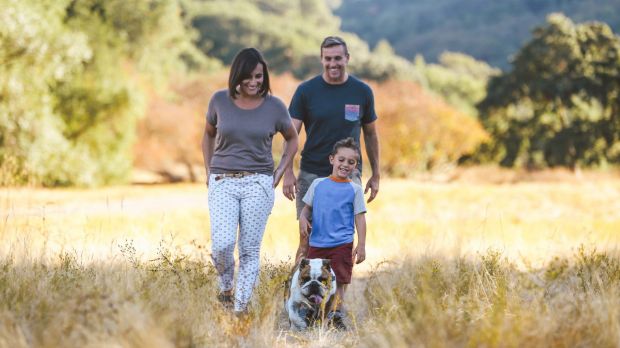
(341, 257)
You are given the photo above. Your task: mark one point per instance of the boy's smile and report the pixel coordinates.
(343, 162)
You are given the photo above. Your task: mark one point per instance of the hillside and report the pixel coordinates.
(488, 30)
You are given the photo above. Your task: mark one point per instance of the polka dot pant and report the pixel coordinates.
(239, 204)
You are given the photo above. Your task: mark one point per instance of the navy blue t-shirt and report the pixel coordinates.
(330, 113)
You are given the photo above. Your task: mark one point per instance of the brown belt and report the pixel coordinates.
(233, 175)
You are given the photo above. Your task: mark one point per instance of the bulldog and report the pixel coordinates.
(309, 291)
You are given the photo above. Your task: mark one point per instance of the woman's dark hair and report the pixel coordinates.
(242, 66)
(347, 143)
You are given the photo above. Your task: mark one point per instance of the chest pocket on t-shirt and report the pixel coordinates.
(351, 112)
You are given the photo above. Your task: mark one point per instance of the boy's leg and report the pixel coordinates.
(302, 249)
(335, 316)
(224, 217)
(340, 290)
(256, 204)
(304, 180)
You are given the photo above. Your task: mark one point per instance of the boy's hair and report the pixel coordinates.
(348, 143)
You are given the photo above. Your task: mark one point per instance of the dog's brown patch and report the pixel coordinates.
(304, 271)
(326, 273)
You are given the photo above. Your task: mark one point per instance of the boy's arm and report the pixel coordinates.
(304, 221)
(304, 230)
(359, 253)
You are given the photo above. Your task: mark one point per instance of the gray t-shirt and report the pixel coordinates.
(244, 137)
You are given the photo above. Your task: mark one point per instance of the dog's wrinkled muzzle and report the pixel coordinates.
(314, 291)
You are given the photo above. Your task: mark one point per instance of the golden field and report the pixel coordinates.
(462, 263)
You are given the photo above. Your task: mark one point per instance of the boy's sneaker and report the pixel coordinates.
(225, 300)
(335, 319)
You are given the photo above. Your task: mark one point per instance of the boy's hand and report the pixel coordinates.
(359, 254)
(304, 226)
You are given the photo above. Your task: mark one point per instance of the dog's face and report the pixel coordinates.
(316, 280)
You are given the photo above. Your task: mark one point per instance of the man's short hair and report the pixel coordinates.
(332, 41)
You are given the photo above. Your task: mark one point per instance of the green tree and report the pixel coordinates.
(460, 79)
(74, 79)
(289, 34)
(36, 51)
(488, 30)
(559, 103)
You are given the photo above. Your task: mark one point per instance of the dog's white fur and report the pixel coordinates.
(299, 295)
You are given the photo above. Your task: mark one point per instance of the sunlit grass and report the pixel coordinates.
(526, 264)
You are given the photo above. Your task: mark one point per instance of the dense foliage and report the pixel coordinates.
(485, 29)
(289, 33)
(91, 88)
(559, 104)
(420, 132)
(72, 83)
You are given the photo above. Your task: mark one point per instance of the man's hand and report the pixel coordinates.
(373, 186)
(359, 254)
(289, 184)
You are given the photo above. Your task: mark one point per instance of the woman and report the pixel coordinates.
(241, 123)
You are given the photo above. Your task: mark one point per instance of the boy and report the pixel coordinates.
(336, 207)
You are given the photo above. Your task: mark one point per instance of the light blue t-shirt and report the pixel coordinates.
(334, 206)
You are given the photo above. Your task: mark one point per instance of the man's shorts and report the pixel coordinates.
(305, 179)
(341, 258)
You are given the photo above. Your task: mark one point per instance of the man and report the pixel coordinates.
(331, 106)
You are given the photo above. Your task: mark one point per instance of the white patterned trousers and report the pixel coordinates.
(243, 205)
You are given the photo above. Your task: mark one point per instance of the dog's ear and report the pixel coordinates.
(327, 263)
(304, 262)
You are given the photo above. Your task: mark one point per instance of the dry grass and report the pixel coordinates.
(449, 264)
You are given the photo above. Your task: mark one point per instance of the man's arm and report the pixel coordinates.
(359, 253)
(208, 144)
(371, 139)
(289, 184)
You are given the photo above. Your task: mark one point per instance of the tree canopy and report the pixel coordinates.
(559, 105)
(488, 30)
(289, 34)
(69, 88)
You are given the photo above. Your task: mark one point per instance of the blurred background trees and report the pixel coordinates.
(91, 90)
(487, 30)
(559, 105)
(73, 79)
